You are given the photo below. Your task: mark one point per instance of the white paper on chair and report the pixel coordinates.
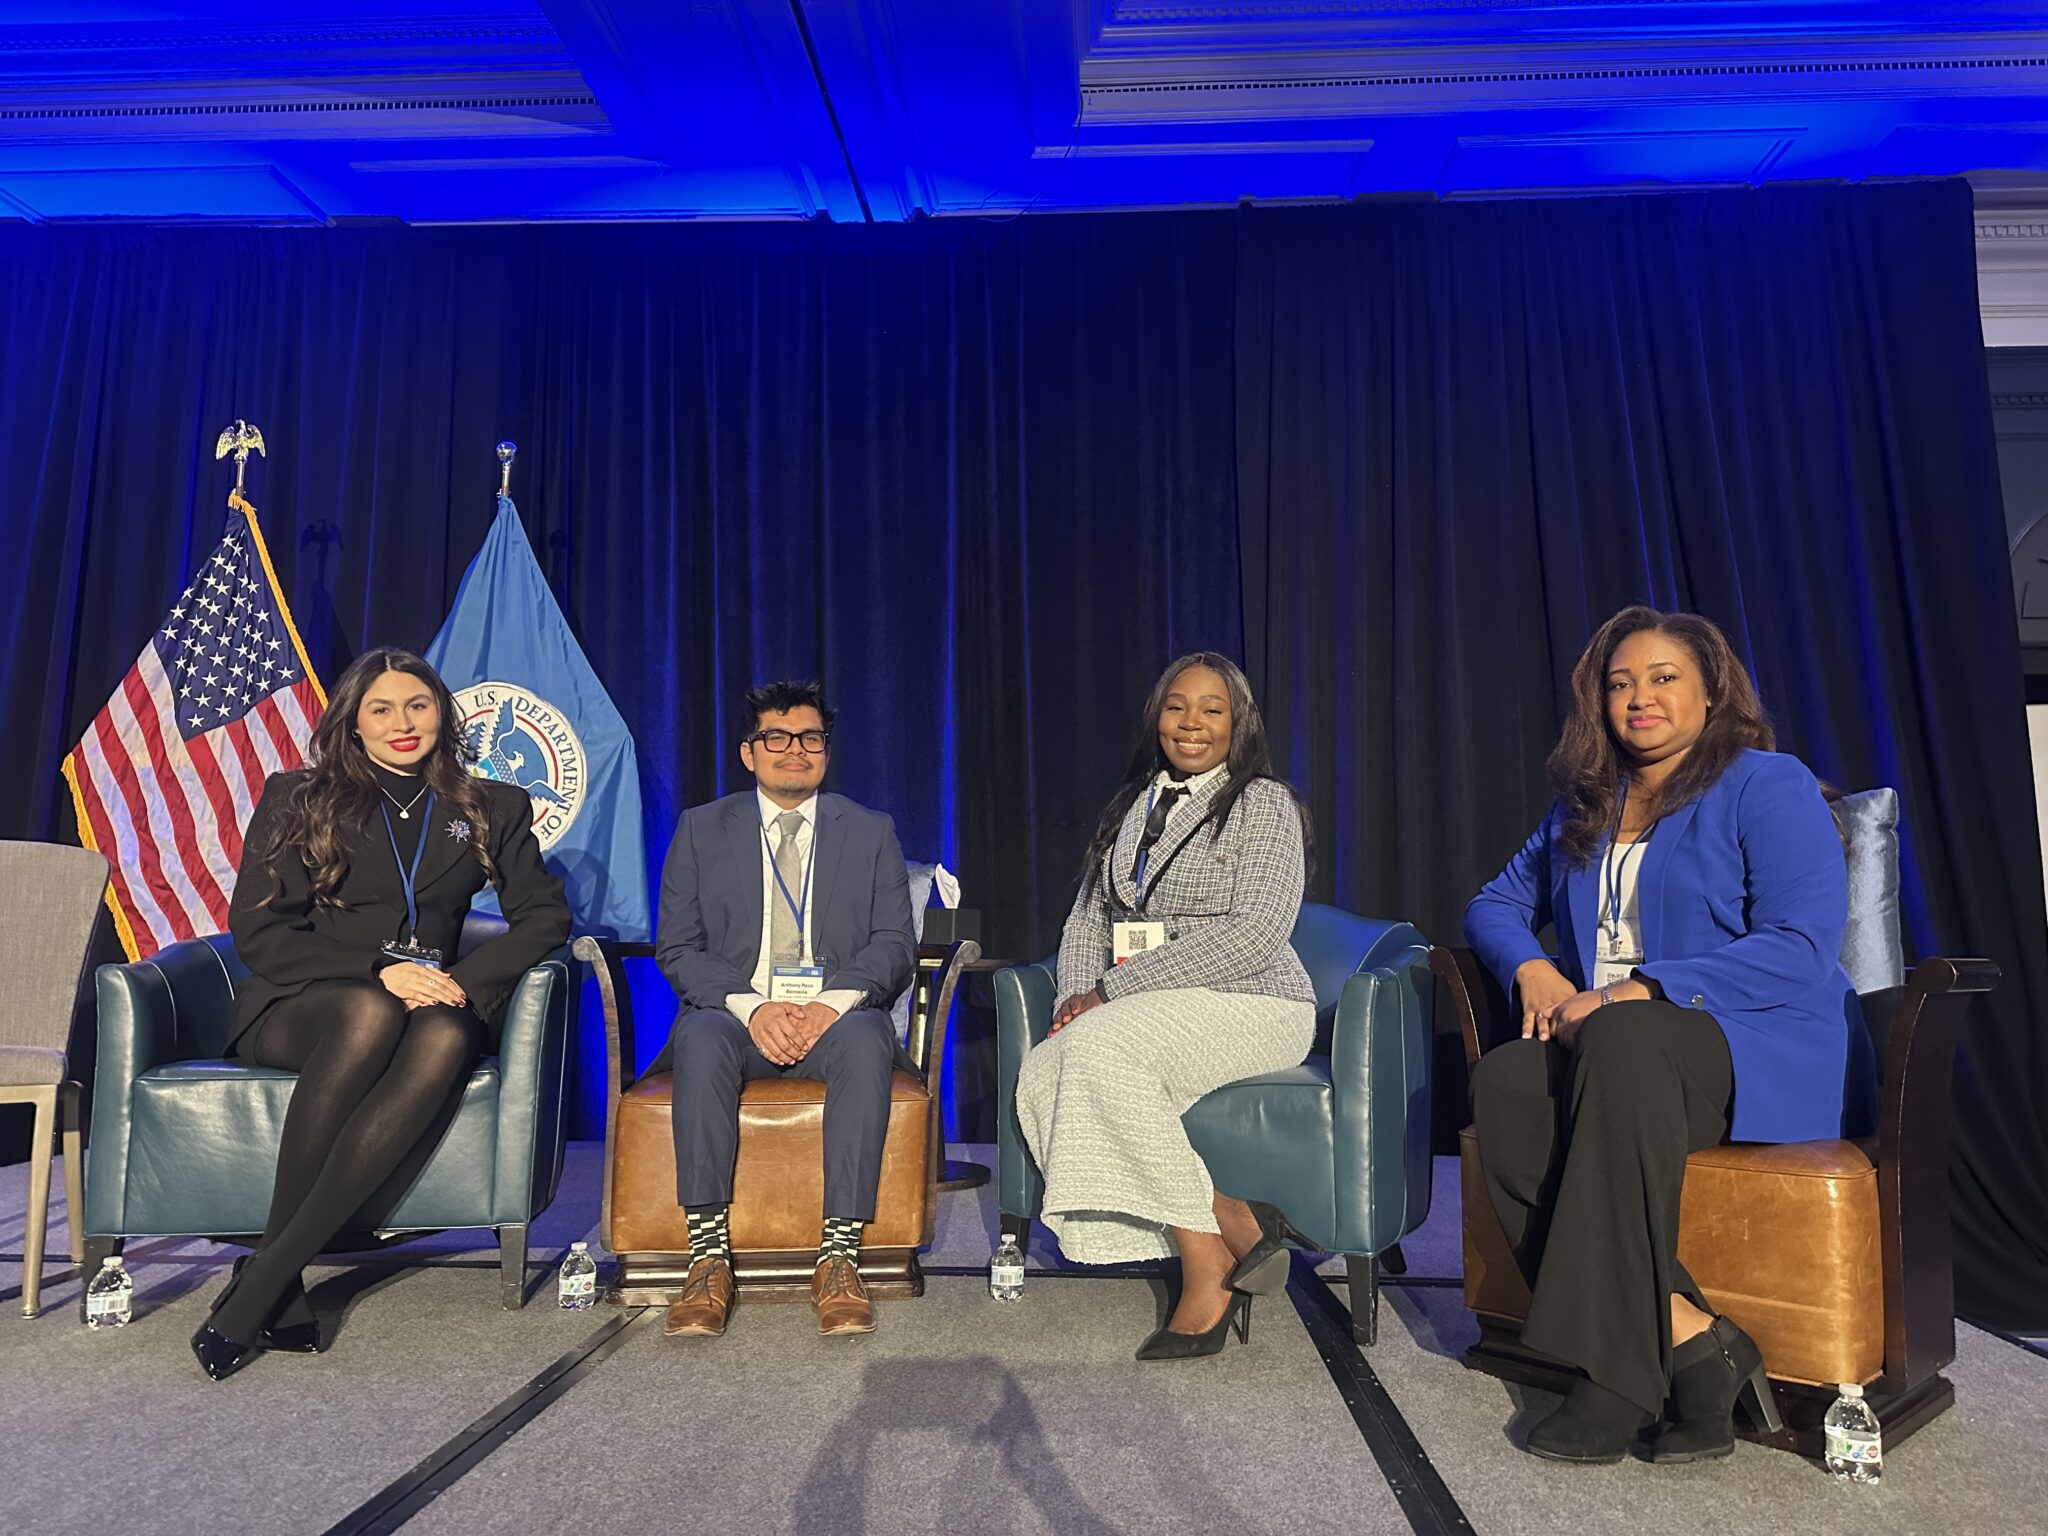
(948, 884)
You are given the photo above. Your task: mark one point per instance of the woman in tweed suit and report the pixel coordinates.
(1197, 864)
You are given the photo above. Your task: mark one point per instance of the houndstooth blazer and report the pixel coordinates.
(1229, 905)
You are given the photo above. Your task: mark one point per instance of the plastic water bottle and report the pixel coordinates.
(1855, 1448)
(1006, 1271)
(110, 1299)
(576, 1286)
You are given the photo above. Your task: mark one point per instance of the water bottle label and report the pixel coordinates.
(1854, 1445)
(579, 1285)
(105, 1304)
(1006, 1274)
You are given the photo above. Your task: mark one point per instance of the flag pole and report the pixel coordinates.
(507, 452)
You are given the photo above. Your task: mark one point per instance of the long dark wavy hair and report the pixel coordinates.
(339, 791)
(1251, 757)
(1587, 765)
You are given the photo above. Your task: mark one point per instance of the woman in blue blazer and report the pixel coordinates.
(1696, 882)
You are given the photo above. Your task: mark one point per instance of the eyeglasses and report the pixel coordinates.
(812, 742)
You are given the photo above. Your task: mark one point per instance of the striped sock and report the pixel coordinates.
(841, 1236)
(708, 1236)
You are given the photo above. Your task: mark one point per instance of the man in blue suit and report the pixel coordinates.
(785, 930)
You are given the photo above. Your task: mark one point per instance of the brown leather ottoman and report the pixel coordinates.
(778, 1191)
(1784, 1239)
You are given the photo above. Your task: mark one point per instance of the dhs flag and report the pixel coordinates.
(536, 716)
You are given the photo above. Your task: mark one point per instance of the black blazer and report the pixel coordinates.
(289, 943)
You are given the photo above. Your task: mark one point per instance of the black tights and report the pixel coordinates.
(374, 1080)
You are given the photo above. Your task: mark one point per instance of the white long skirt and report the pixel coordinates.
(1100, 1104)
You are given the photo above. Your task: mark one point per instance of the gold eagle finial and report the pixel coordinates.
(238, 439)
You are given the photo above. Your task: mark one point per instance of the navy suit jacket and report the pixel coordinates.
(708, 938)
(1744, 898)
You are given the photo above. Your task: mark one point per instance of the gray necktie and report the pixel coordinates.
(785, 937)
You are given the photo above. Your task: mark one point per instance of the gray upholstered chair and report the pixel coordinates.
(1340, 1143)
(185, 1144)
(50, 901)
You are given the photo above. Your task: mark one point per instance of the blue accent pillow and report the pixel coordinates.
(1873, 953)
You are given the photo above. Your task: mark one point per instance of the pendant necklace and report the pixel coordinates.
(405, 807)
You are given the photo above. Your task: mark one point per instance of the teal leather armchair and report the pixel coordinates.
(184, 1143)
(1340, 1143)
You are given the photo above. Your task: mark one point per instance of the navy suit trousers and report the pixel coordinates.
(714, 1056)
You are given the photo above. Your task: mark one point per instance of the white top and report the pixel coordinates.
(1618, 938)
(741, 1005)
(1194, 783)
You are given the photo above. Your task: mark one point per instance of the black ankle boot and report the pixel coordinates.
(1710, 1373)
(1592, 1425)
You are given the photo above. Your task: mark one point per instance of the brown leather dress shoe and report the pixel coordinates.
(705, 1303)
(840, 1298)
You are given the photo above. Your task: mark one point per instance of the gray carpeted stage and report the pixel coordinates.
(960, 1415)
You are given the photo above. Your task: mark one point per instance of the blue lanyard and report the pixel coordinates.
(1617, 864)
(796, 907)
(410, 876)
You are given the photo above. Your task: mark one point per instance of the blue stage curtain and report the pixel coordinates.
(1469, 433)
(986, 477)
(978, 476)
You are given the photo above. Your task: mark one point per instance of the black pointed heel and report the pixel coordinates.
(293, 1338)
(220, 1356)
(1165, 1344)
(1263, 1271)
(300, 1337)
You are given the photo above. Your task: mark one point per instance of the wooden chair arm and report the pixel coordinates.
(1914, 1129)
(1476, 998)
(609, 957)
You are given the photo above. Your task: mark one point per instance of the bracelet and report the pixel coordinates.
(1607, 995)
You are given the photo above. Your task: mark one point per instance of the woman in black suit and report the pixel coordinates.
(354, 985)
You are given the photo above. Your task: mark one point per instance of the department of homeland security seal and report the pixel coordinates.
(519, 738)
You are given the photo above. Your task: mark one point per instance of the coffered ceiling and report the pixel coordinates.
(482, 110)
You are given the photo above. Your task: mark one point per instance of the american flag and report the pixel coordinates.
(166, 775)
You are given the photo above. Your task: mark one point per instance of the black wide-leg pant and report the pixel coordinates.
(1583, 1149)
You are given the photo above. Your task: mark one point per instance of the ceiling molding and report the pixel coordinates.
(373, 109)
(2006, 226)
(493, 110)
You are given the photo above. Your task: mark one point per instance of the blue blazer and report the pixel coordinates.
(708, 938)
(1744, 898)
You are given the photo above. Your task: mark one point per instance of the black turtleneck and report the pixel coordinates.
(401, 790)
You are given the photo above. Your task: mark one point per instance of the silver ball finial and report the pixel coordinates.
(507, 452)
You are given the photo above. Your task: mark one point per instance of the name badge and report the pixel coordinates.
(410, 954)
(1128, 939)
(1612, 973)
(795, 983)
